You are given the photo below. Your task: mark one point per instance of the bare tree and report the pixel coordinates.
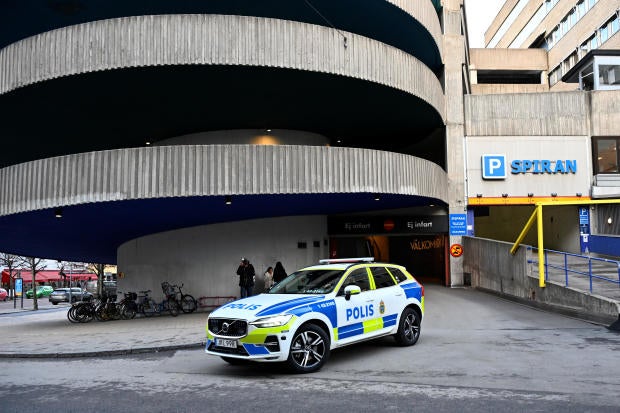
(34, 265)
(12, 263)
(98, 269)
(62, 266)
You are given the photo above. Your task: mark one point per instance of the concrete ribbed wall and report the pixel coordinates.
(606, 113)
(425, 13)
(203, 170)
(213, 40)
(578, 113)
(527, 114)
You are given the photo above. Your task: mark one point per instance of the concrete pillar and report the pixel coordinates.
(454, 59)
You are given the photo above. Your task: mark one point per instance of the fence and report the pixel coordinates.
(575, 270)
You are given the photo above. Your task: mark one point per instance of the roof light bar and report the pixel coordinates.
(346, 260)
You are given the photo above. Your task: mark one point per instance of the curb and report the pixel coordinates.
(105, 353)
(615, 326)
(575, 313)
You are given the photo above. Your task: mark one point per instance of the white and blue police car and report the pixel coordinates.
(316, 309)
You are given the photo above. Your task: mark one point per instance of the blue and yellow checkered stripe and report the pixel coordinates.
(365, 327)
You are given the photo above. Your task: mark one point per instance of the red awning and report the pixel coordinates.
(47, 276)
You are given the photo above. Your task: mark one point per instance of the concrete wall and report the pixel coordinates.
(505, 223)
(508, 59)
(605, 112)
(489, 89)
(551, 114)
(454, 52)
(205, 258)
(491, 267)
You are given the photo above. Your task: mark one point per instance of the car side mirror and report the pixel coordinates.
(350, 290)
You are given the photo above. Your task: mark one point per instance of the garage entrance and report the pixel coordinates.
(418, 243)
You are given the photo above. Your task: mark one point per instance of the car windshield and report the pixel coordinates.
(308, 282)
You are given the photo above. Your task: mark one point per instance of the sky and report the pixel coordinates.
(480, 14)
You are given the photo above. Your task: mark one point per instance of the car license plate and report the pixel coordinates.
(222, 342)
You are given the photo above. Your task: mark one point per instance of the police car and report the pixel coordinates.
(317, 309)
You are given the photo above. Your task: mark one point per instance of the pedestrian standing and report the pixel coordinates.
(268, 276)
(246, 277)
(279, 273)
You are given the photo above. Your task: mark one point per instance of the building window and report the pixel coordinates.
(586, 78)
(609, 75)
(605, 152)
(615, 25)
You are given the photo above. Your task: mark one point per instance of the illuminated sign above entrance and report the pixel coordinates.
(388, 225)
(494, 166)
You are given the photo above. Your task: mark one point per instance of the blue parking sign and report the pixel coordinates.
(493, 166)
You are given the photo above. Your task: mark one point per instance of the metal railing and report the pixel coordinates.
(575, 270)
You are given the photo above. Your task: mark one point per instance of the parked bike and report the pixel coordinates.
(187, 302)
(170, 303)
(146, 305)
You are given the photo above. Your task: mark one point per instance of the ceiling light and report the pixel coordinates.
(228, 200)
(58, 212)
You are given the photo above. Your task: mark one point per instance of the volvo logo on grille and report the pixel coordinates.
(225, 327)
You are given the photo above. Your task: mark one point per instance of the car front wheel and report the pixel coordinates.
(309, 349)
(408, 328)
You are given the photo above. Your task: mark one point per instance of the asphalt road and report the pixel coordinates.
(477, 353)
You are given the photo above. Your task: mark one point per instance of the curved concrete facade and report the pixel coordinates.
(211, 170)
(425, 13)
(205, 258)
(148, 116)
(141, 41)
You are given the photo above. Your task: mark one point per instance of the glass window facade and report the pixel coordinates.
(605, 153)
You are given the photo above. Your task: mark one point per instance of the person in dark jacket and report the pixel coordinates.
(246, 277)
(279, 273)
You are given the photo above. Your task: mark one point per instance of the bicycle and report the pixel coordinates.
(82, 311)
(108, 309)
(128, 306)
(170, 303)
(187, 302)
(146, 305)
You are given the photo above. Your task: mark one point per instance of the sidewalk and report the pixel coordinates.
(48, 333)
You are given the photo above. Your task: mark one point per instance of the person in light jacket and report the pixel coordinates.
(268, 276)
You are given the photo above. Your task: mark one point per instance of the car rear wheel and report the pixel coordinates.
(309, 349)
(408, 328)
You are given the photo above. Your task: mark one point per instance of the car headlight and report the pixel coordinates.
(275, 321)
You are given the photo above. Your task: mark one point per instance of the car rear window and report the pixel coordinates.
(398, 274)
(382, 277)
